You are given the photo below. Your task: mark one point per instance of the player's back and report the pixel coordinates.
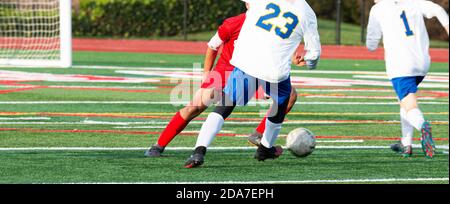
(270, 36)
(405, 37)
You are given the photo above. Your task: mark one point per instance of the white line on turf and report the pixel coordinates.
(433, 79)
(302, 89)
(184, 148)
(88, 87)
(140, 127)
(186, 102)
(380, 180)
(292, 122)
(199, 70)
(26, 118)
(340, 141)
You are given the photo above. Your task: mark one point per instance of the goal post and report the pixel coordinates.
(36, 33)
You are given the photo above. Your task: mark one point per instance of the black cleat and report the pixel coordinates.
(264, 153)
(255, 138)
(405, 151)
(197, 158)
(154, 151)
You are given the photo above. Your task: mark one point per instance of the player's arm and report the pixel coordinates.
(211, 54)
(311, 37)
(374, 33)
(431, 10)
(297, 58)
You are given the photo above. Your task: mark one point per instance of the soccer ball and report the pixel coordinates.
(301, 142)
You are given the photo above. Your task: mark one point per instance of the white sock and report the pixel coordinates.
(415, 118)
(270, 134)
(210, 129)
(407, 129)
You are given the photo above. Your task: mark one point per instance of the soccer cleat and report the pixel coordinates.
(154, 151)
(197, 158)
(264, 153)
(405, 151)
(255, 138)
(428, 145)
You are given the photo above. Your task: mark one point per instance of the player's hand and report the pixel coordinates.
(205, 77)
(298, 60)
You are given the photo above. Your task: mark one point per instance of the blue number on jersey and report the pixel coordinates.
(276, 12)
(290, 26)
(409, 32)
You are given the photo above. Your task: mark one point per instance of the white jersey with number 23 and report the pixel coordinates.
(270, 36)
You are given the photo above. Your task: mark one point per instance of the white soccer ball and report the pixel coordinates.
(301, 142)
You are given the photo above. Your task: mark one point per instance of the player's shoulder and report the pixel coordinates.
(235, 19)
(380, 6)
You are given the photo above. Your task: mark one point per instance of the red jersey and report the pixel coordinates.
(229, 33)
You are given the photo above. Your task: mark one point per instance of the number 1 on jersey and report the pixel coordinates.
(409, 32)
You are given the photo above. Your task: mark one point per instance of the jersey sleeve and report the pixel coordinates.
(215, 42)
(224, 31)
(431, 10)
(374, 33)
(312, 40)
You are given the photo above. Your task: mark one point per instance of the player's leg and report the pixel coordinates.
(415, 117)
(405, 146)
(280, 94)
(202, 99)
(406, 88)
(210, 128)
(255, 137)
(240, 88)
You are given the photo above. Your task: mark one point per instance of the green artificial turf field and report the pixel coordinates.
(91, 124)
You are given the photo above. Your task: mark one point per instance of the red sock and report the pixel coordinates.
(175, 127)
(262, 126)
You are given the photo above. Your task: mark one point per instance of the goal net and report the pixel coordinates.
(36, 33)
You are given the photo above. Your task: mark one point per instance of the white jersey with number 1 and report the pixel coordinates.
(270, 36)
(401, 25)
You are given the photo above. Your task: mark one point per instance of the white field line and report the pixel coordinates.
(140, 127)
(292, 122)
(152, 87)
(381, 180)
(301, 90)
(369, 97)
(26, 118)
(434, 79)
(222, 131)
(88, 87)
(108, 87)
(186, 102)
(340, 141)
(199, 70)
(443, 147)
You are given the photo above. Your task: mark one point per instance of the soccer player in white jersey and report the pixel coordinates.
(400, 23)
(269, 37)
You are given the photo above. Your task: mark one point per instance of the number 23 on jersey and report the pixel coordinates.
(276, 11)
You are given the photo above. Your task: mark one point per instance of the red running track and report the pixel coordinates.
(181, 47)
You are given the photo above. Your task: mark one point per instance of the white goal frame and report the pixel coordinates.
(65, 34)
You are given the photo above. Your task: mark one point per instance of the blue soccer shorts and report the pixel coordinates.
(406, 85)
(241, 87)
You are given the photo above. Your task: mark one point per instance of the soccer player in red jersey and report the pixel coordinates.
(214, 81)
